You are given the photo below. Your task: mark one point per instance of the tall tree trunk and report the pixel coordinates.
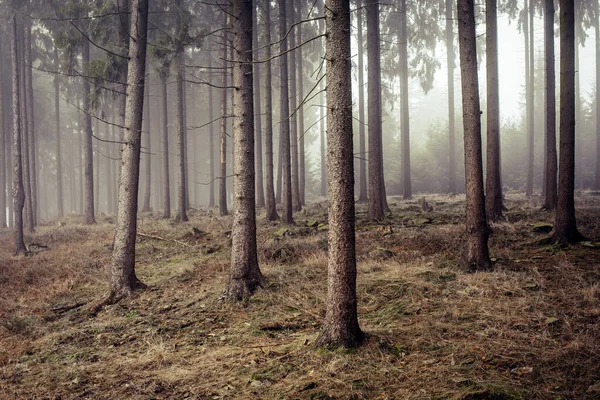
(301, 149)
(493, 186)
(260, 192)
(476, 256)
(405, 116)
(529, 67)
(165, 136)
(362, 196)
(223, 148)
(181, 125)
(87, 146)
(340, 327)
(322, 114)
(279, 169)
(3, 147)
(284, 126)
(123, 280)
(96, 131)
(31, 125)
(7, 123)
(59, 177)
(148, 155)
(18, 190)
(451, 122)
(597, 43)
(79, 154)
(244, 273)
(551, 157)
(270, 193)
(211, 133)
(25, 130)
(579, 175)
(293, 121)
(376, 206)
(565, 225)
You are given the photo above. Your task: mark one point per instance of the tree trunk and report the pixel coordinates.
(3, 147)
(270, 194)
(293, 121)
(148, 155)
(123, 280)
(322, 115)
(284, 126)
(18, 190)
(244, 273)
(7, 123)
(165, 135)
(96, 132)
(211, 134)
(260, 192)
(87, 145)
(31, 125)
(529, 68)
(405, 116)
(451, 123)
(362, 196)
(223, 147)
(181, 126)
(340, 327)
(301, 149)
(28, 220)
(550, 196)
(376, 207)
(597, 43)
(59, 178)
(493, 186)
(476, 256)
(579, 175)
(565, 226)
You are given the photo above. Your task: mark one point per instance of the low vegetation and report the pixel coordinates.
(528, 329)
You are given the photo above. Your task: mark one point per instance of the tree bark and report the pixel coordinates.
(451, 122)
(301, 149)
(31, 125)
(211, 134)
(181, 125)
(293, 120)
(260, 192)
(28, 219)
(340, 327)
(405, 116)
(271, 209)
(362, 196)
(148, 156)
(165, 135)
(322, 116)
(565, 225)
(493, 185)
(3, 148)
(223, 166)
(244, 273)
(476, 256)
(376, 207)
(88, 157)
(123, 280)
(18, 190)
(284, 126)
(529, 68)
(59, 177)
(550, 196)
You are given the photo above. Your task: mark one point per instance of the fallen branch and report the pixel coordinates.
(163, 239)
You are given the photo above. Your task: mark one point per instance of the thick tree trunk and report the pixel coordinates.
(18, 190)
(123, 280)
(476, 256)
(7, 123)
(31, 126)
(59, 177)
(3, 147)
(405, 116)
(87, 145)
(223, 148)
(529, 68)
(148, 156)
(165, 136)
(340, 327)
(376, 207)
(565, 226)
(550, 196)
(181, 126)
(493, 186)
(244, 273)
(260, 192)
(270, 189)
(284, 126)
(362, 191)
(451, 122)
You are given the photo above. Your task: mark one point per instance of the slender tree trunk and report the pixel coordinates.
(107, 168)
(123, 280)
(376, 207)
(284, 126)
(244, 273)
(529, 67)
(31, 125)
(340, 327)
(87, 146)
(270, 193)
(565, 225)
(405, 116)
(96, 158)
(223, 166)
(293, 122)
(579, 175)
(451, 122)
(260, 192)
(476, 256)
(18, 190)
(7, 123)
(181, 126)
(59, 177)
(493, 188)
(165, 135)
(279, 169)
(362, 196)
(301, 149)
(550, 196)
(79, 153)
(25, 137)
(322, 115)
(148, 155)
(211, 133)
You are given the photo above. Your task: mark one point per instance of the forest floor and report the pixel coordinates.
(530, 329)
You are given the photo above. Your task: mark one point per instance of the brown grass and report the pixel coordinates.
(529, 329)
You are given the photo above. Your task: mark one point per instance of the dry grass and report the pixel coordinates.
(529, 329)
